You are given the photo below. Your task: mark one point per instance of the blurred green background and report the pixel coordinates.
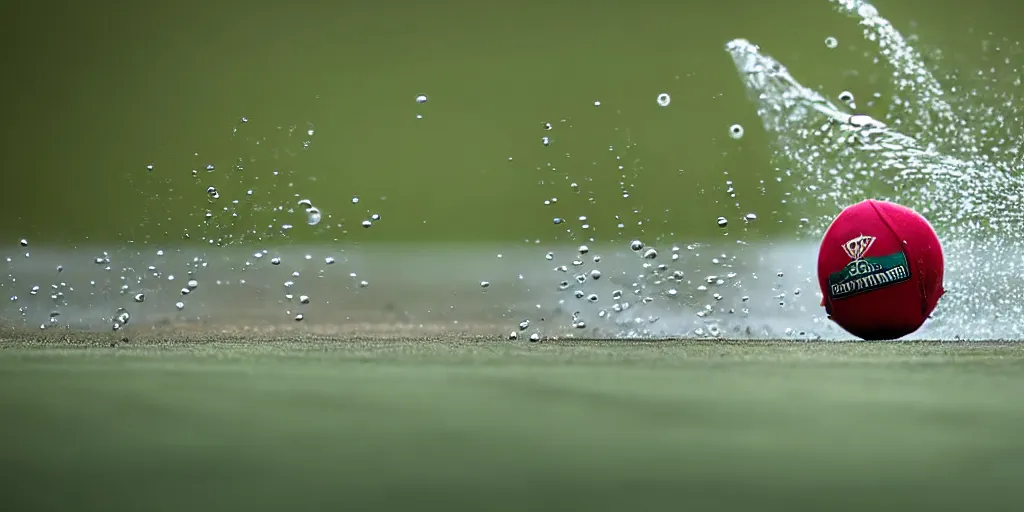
(97, 91)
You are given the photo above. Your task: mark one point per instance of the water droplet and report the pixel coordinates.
(329, 260)
(313, 216)
(547, 126)
(584, 249)
(846, 97)
(557, 220)
(512, 336)
(534, 338)
(139, 297)
(24, 243)
(484, 284)
(275, 260)
(299, 317)
(736, 131)
(597, 103)
(545, 140)
(595, 274)
(723, 222)
(864, 120)
(179, 305)
(304, 299)
(650, 254)
(750, 216)
(422, 98)
(831, 42)
(367, 223)
(664, 99)
(636, 245)
(193, 284)
(524, 325)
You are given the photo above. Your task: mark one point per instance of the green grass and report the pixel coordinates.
(494, 425)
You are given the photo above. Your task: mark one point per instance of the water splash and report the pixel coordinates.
(952, 157)
(937, 147)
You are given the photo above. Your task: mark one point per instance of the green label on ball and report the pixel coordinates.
(867, 274)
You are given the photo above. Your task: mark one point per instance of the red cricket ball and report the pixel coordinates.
(880, 270)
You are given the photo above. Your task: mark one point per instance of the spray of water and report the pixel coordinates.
(952, 153)
(948, 146)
